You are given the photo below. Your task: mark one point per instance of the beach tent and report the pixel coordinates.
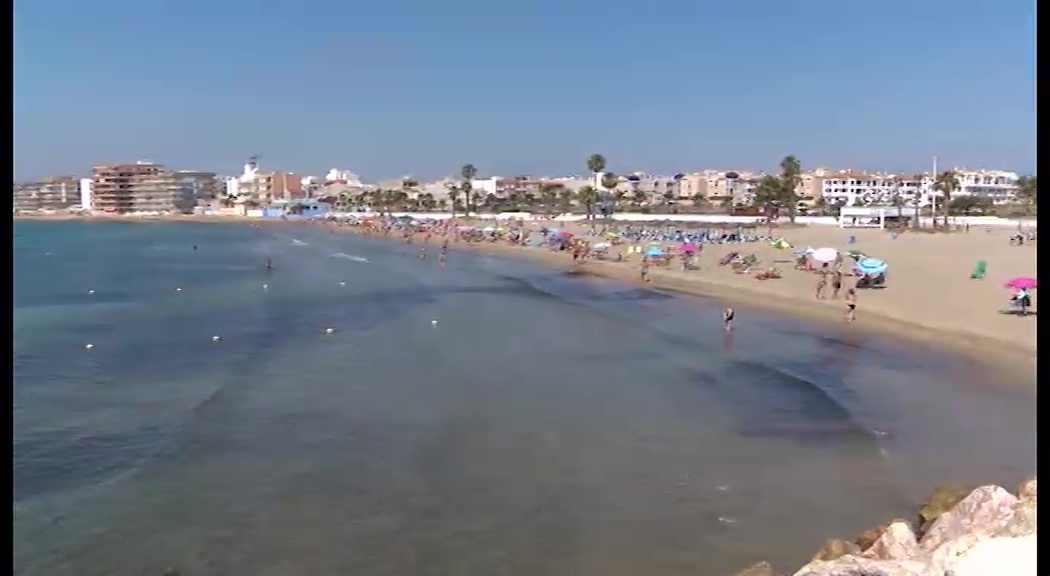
(871, 266)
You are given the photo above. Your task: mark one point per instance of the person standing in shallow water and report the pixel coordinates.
(851, 305)
(645, 269)
(728, 315)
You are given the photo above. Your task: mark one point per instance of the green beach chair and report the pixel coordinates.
(979, 270)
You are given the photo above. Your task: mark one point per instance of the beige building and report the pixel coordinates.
(140, 187)
(53, 193)
(719, 186)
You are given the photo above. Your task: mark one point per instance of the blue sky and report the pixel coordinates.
(421, 87)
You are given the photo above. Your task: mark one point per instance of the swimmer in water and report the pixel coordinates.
(269, 264)
(422, 253)
(194, 246)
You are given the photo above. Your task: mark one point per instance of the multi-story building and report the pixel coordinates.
(996, 185)
(855, 188)
(205, 187)
(263, 188)
(54, 193)
(865, 188)
(139, 187)
(648, 188)
(719, 186)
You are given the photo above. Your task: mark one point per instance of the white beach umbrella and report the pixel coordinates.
(824, 254)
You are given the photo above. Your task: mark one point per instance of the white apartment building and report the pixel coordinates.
(998, 185)
(865, 189)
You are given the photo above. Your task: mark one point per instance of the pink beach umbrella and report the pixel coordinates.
(687, 247)
(1021, 283)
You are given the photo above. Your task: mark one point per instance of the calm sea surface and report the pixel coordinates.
(546, 424)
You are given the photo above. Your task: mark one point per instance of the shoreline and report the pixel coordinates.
(985, 349)
(999, 354)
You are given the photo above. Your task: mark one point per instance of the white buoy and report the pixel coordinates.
(178, 289)
(342, 283)
(216, 338)
(91, 291)
(328, 330)
(433, 322)
(266, 286)
(88, 346)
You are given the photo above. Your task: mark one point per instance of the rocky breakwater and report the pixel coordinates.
(986, 531)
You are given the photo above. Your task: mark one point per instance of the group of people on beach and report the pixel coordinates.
(830, 277)
(833, 277)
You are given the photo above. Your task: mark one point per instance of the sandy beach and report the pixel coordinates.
(929, 295)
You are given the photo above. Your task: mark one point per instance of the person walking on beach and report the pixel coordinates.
(645, 269)
(727, 317)
(836, 284)
(822, 283)
(851, 305)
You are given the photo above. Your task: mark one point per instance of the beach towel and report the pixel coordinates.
(978, 270)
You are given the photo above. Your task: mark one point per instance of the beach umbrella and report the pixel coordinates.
(780, 244)
(804, 250)
(602, 246)
(824, 254)
(1021, 283)
(654, 251)
(687, 247)
(871, 266)
(857, 255)
(488, 229)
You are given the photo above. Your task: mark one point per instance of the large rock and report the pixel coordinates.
(834, 549)
(943, 498)
(1026, 491)
(897, 542)
(994, 556)
(870, 536)
(760, 569)
(858, 566)
(984, 512)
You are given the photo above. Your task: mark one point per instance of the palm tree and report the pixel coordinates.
(947, 182)
(587, 196)
(610, 181)
(565, 197)
(596, 163)
(636, 192)
(468, 172)
(790, 178)
(1026, 192)
(769, 194)
(376, 199)
(408, 188)
(549, 194)
(896, 199)
(453, 196)
(699, 199)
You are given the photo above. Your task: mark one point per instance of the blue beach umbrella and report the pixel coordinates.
(654, 251)
(871, 266)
